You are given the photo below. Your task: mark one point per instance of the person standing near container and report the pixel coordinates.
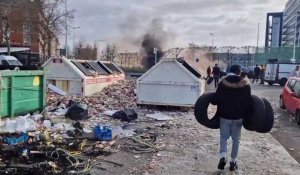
(256, 74)
(216, 72)
(234, 101)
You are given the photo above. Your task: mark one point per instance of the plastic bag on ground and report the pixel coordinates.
(77, 111)
(126, 115)
(159, 116)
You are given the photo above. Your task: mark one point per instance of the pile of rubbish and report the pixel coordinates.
(117, 96)
(67, 137)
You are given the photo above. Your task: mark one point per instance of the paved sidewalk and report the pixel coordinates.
(193, 149)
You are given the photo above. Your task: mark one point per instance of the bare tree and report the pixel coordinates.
(195, 50)
(174, 52)
(229, 51)
(6, 19)
(110, 52)
(46, 23)
(85, 51)
(52, 23)
(250, 50)
(5, 13)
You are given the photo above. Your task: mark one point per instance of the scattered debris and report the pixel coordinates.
(56, 90)
(159, 117)
(143, 144)
(103, 133)
(119, 95)
(77, 111)
(52, 143)
(126, 115)
(109, 113)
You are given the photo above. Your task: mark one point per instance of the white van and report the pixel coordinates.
(9, 61)
(279, 72)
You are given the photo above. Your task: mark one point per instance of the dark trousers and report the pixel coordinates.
(216, 78)
(208, 75)
(256, 77)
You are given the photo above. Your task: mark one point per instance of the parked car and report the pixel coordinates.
(248, 71)
(290, 97)
(278, 73)
(251, 71)
(9, 61)
(12, 63)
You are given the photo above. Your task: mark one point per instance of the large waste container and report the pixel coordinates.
(170, 83)
(21, 92)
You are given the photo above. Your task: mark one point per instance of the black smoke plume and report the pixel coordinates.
(156, 37)
(148, 44)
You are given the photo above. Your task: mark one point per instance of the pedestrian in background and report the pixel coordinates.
(208, 71)
(295, 72)
(262, 74)
(256, 73)
(233, 98)
(216, 73)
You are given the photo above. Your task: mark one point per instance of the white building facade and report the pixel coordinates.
(291, 22)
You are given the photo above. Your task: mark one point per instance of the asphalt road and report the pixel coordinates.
(285, 130)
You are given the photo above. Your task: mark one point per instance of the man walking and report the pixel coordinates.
(208, 71)
(233, 98)
(256, 73)
(295, 72)
(216, 72)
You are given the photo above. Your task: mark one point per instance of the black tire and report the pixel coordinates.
(270, 83)
(282, 82)
(298, 118)
(281, 103)
(269, 118)
(16, 68)
(256, 120)
(200, 112)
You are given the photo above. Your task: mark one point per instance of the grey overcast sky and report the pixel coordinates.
(234, 22)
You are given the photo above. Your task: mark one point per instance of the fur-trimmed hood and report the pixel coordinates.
(235, 81)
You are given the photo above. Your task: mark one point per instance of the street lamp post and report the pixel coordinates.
(98, 47)
(66, 28)
(155, 54)
(74, 29)
(212, 46)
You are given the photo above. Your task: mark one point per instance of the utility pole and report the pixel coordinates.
(155, 54)
(98, 48)
(295, 36)
(257, 43)
(212, 46)
(66, 28)
(74, 29)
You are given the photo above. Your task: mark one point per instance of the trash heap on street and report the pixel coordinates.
(72, 132)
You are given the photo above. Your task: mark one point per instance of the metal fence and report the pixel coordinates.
(283, 54)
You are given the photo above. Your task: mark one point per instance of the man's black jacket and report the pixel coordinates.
(233, 98)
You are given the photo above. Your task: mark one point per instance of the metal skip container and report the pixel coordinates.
(21, 92)
(170, 83)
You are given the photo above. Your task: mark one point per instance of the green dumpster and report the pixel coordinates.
(22, 92)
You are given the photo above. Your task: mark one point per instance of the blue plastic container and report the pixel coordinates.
(103, 133)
